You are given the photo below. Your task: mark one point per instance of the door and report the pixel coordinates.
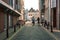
(54, 17)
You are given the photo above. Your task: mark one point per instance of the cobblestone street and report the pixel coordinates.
(33, 33)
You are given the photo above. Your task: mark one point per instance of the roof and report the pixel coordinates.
(33, 10)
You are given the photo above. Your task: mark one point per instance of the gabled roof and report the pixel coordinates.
(32, 10)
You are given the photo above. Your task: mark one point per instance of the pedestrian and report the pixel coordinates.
(42, 21)
(38, 19)
(45, 24)
(48, 25)
(33, 20)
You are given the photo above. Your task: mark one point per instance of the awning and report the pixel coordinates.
(9, 9)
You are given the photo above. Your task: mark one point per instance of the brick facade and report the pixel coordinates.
(14, 20)
(1, 20)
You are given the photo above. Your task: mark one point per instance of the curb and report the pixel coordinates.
(14, 34)
(50, 33)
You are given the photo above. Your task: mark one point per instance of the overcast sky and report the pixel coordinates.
(31, 3)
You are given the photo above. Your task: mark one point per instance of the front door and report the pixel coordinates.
(54, 17)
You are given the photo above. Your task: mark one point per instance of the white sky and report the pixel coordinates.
(31, 3)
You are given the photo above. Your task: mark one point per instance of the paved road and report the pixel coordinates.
(33, 33)
(57, 34)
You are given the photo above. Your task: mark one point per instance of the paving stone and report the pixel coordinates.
(33, 33)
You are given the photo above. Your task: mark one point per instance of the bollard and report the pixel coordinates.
(51, 28)
(7, 33)
(14, 28)
(48, 25)
(19, 25)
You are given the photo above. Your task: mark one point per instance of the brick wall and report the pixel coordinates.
(14, 20)
(1, 21)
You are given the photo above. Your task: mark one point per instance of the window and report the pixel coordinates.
(11, 3)
(16, 4)
(30, 14)
(16, 1)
